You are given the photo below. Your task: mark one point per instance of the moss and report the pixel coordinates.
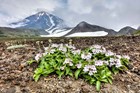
(137, 32)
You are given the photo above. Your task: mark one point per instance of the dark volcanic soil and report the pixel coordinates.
(16, 74)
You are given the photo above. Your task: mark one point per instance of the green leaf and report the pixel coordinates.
(110, 77)
(36, 77)
(60, 73)
(104, 80)
(108, 73)
(98, 85)
(67, 70)
(71, 74)
(115, 71)
(38, 71)
(87, 77)
(47, 72)
(92, 81)
(47, 66)
(109, 80)
(52, 62)
(31, 61)
(77, 72)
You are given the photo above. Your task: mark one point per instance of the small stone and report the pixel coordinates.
(15, 82)
(85, 89)
(136, 79)
(23, 84)
(130, 66)
(11, 90)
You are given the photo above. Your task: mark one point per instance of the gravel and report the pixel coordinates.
(16, 74)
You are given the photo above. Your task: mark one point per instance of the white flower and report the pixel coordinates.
(90, 68)
(61, 45)
(62, 48)
(62, 68)
(76, 51)
(46, 48)
(115, 62)
(68, 61)
(118, 63)
(70, 46)
(86, 56)
(54, 45)
(70, 64)
(127, 57)
(118, 56)
(97, 46)
(109, 53)
(112, 62)
(38, 56)
(86, 68)
(79, 65)
(44, 54)
(96, 51)
(52, 51)
(106, 62)
(103, 50)
(90, 73)
(98, 63)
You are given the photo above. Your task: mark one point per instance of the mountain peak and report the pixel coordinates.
(84, 27)
(42, 13)
(126, 31)
(82, 24)
(127, 28)
(41, 20)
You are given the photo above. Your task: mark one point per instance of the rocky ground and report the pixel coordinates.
(16, 74)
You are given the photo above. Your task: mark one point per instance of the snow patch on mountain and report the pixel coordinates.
(59, 33)
(88, 34)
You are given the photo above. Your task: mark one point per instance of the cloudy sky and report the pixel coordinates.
(113, 14)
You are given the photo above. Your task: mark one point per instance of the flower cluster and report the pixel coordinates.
(94, 63)
(86, 56)
(99, 63)
(96, 49)
(79, 65)
(68, 61)
(38, 56)
(91, 69)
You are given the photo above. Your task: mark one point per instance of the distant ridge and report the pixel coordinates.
(85, 27)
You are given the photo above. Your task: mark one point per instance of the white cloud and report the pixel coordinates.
(108, 13)
(80, 6)
(13, 10)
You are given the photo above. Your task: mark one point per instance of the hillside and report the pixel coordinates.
(137, 32)
(16, 75)
(12, 32)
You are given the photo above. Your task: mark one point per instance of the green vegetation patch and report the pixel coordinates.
(95, 64)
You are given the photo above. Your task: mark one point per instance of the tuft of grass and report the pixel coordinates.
(137, 32)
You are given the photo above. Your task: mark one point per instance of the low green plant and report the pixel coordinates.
(95, 64)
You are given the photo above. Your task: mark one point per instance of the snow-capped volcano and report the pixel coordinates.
(42, 21)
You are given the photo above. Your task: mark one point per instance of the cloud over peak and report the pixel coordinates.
(108, 13)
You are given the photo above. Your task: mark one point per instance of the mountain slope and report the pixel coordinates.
(85, 27)
(18, 32)
(138, 28)
(126, 31)
(42, 21)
